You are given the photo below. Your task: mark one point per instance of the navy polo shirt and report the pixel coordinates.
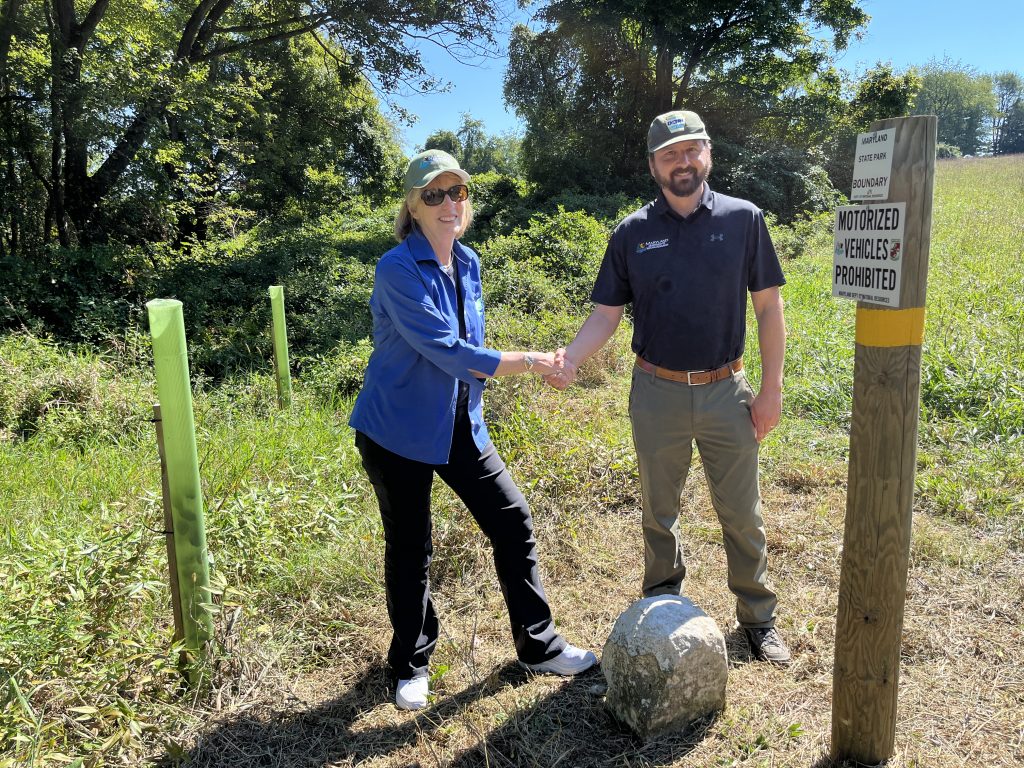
(688, 278)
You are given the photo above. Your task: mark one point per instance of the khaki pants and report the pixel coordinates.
(667, 418)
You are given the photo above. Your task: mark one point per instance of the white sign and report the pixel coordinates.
(868, 252)
(872, 165)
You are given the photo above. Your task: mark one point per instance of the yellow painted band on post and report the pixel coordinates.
(890, 327)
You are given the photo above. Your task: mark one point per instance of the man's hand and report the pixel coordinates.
(593, 334)
(765, 412)
(566, 373)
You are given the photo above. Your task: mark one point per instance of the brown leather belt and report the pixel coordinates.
(693, 378)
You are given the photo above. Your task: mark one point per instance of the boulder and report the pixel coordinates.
(666, 665)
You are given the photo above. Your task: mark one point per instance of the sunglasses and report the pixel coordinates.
(435, 196)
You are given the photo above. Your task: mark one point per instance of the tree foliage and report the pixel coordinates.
(89, 90)
(962, 99)
(880, 93)
(1006, 127)
(446, 141)
(1011, 139)
(476, 150)
(685, 38)
(588, 83)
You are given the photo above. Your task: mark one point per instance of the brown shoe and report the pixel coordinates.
(767, 645)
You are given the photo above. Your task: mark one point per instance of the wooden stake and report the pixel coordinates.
(172, 561)
(883, 455)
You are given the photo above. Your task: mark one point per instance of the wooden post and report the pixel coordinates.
(172, 561)
(280, 336)
(883, 454)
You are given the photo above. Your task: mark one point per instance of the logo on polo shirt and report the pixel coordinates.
(650, 245)
(717, 237)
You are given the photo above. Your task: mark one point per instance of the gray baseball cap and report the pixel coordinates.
(428, 165)
(671, 127)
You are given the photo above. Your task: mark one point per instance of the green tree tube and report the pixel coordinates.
(284, 378)
(175, 394)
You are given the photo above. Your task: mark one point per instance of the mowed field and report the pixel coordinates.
(296, 675)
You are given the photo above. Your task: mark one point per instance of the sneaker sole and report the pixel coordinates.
(546, 667)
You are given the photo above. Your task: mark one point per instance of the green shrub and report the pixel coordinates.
(808, 234)
(65, 397)
(784, 180)
(500, 205)
(338, 374)
(76, 294)
(560, 252)
(518, 285)
(326, 268)
(609, 209)
(569, 246)
(945, 151)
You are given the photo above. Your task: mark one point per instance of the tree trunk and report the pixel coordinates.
(663, 71)
(57, 86)
(7, 25)
(10, 189)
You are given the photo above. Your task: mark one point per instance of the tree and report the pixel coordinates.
(880, 93)
(589, 83)
(474, 143)
(475, 149)
(86, 85)
(584, 93)
(963, 101)
(685, 36)
(1012, 137)
(445, 141)
(1009, 89)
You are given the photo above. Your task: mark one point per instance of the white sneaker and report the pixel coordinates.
(412, 694)
(571, 661)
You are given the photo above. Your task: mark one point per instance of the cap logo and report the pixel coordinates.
(676, 124)
(427, 161)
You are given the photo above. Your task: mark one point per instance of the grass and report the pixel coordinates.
(296, 678)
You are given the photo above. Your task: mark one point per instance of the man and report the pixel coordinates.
(687, 261)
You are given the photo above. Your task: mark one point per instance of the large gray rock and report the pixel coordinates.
(666, 665)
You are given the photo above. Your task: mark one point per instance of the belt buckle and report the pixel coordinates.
(694, 383)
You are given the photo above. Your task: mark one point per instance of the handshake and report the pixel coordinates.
(555, 368)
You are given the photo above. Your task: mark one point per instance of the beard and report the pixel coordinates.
(684, 182)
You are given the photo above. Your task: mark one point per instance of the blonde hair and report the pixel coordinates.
(405, 223)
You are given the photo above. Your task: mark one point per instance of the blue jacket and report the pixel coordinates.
(407, 403)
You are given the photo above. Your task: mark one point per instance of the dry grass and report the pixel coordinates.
(961, 688)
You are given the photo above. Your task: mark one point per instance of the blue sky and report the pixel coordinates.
(985, 35)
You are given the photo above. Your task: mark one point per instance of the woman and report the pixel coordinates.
(420, 411)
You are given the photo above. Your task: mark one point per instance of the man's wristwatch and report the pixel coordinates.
(529, 360)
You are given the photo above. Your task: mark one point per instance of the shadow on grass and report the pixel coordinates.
(737, 648)
(569, 726)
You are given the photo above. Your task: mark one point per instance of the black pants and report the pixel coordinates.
(483, 483)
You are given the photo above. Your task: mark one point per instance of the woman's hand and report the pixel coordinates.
(544, 363)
